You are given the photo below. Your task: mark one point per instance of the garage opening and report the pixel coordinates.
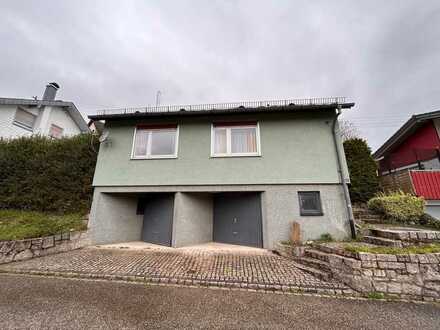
(157, 212)
(237, 219)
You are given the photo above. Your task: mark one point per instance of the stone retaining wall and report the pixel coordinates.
(424, 236)
(410, 276)
(290, 251)
(38, 247)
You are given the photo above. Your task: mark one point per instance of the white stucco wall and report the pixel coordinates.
(45, 117)
(61, 118)
(7, 128)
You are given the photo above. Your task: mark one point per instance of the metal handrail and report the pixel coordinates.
(226, 106)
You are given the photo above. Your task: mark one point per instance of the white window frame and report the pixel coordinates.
(228, 141)
(57, 126)
(23, 125)
(149, 156)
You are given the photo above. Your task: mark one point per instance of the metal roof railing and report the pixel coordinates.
(225, 106)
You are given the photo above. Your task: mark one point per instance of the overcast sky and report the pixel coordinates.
(383, 55)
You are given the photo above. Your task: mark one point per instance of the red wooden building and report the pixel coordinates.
(410, 159)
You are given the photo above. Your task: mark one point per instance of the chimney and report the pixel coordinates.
(51, 91)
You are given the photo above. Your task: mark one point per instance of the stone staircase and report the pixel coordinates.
(315, 259)
(363, 215)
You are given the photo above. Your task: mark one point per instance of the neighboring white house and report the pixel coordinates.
(49, 117)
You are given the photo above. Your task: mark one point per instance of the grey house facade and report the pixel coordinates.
(232, 173)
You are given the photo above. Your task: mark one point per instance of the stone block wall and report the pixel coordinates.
(410, 276)
(37, 247)
(290, 251)
(412, 236)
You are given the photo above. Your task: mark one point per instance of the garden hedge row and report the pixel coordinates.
(42, 174)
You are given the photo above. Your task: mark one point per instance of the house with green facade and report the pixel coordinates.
(237, 173)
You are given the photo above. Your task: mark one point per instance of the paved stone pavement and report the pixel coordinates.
(264, 271)
(34, 302)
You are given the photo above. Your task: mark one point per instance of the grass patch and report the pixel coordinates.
(419, 249)
(16, 224)
(325, 238)
(376, 295)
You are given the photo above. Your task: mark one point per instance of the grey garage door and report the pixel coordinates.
(158, 219)
(237, 219)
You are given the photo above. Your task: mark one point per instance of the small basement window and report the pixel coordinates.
(310, 203)
(24, 119)
(55, 131)
(155, 142)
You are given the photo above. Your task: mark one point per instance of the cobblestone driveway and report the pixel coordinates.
(252, 271)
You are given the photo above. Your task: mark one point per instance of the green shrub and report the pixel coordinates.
(398, 207)
(376, 295)
(42, 174)
(363, 170)
(326, 238)
(429, 221)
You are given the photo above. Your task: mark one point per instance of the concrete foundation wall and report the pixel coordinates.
(280, 205)
(113, 218)
(433, 208)
(193, 219)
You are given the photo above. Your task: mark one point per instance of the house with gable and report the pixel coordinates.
(46, 117)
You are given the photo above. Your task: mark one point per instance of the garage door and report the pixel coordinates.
(158, 219)
(237, 219)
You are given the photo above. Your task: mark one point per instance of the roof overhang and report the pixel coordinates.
(238, 110)
(404, 131)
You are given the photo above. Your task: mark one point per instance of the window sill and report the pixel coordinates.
(232, 156)
(27, 128)
(320, 214)
(154, 157)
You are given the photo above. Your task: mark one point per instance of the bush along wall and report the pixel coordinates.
(398, 207)
(43, 174)
(363, 170)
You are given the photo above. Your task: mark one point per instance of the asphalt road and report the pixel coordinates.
(28, 302)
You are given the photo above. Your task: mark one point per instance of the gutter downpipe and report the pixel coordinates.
(341, 176)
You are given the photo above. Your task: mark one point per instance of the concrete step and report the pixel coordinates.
(315, 254)
(315, 272)
(407, 234)
(372, 220)
(382, 241)
(370, 216)
(315, 263)
(330, 250)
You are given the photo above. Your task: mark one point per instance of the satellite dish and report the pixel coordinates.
(104, 136)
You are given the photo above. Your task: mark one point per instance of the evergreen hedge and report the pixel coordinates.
(42, 174)
(363, 170)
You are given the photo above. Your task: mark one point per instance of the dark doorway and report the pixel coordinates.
(237, 219)
(158, 219)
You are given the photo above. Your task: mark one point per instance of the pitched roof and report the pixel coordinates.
(426, 184)
(223, 108)
(71, 108)
(404, 131)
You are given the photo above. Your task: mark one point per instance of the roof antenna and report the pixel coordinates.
(158, 96)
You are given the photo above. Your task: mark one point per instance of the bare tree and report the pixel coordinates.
(348, 130)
